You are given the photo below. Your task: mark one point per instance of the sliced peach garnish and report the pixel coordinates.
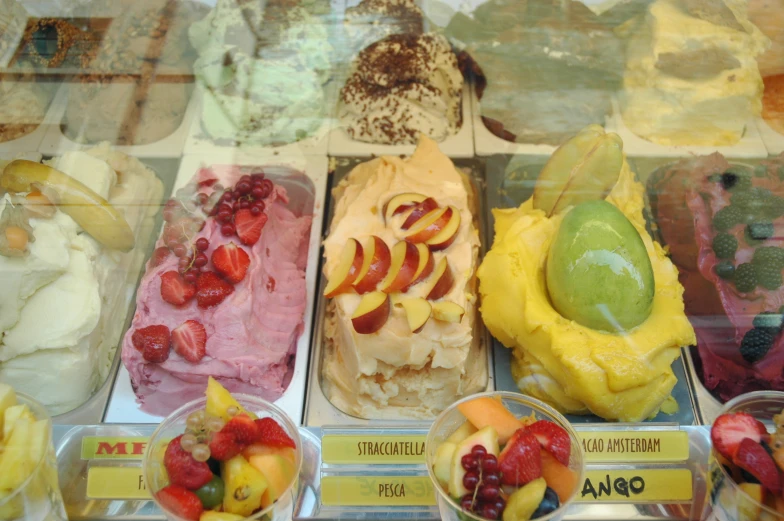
(425, 267)
(440, 282)
(417, 313)
(418, 211)
(400, 203)
(346, 271)
(375, 265)
(448, 312)
(430, 225)
(405, 260)
(372, 313)
(448, 233)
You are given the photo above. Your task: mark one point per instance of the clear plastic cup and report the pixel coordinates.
(38, 498)
(726, 501)
(155, 473)
(519, 405)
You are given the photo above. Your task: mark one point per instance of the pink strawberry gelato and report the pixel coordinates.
(252, 334)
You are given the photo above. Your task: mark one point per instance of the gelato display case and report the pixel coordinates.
(391, 259)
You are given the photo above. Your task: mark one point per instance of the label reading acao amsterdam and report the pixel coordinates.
(372, 449)
(636, 486)
(128, 448)
(627, 446)
(116, 483)
(396, 491)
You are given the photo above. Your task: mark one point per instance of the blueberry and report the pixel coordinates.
(548, 504)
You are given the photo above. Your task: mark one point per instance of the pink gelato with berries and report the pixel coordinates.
(223, 295)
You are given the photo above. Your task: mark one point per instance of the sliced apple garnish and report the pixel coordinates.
(448, 311)
(440, 282)
(418, 211)
(448, 233)
(372, 313)
(425, 267)
(405, 261)
(417, 313)
(400, 203)
(375, 265)
(584, 168)
(430, 225)
(346, 271)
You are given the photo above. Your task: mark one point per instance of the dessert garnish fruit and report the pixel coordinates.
(228, 464)
(72, 240)
(399, 266)
(224, 293)
(691, 75)
(753, 458)
(402, 86)
(498, 466)
(573, 283)
(721, 223)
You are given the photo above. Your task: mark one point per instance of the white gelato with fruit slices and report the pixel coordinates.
(400, 261)
(63, 298)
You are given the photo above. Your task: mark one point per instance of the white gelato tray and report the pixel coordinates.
(459, 145)
(305, 194)
(751, 145)
(32, 141)
(198, 143)
(55, 142)
(774, 141)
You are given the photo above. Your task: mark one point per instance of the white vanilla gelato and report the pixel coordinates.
(693, 80)
(402, 86)
(62, 305)
(394, 372)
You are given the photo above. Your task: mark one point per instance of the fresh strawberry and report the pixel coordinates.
(189, 340)
(153, 342)
(520, 462)
(249, 226)
(755, 460)
(272, 434)
(730, 429)
(175, 290)
(553, 438)
(159, 255)
(231, 261)
(211, 289)
(243, 429)
(223, 446)
(183, 470)
(181, 502)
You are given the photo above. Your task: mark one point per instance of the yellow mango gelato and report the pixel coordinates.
(394, 372)
(624, 377)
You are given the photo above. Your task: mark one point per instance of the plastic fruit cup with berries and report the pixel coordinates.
(224, 458)
(746, 467)
(501, 455)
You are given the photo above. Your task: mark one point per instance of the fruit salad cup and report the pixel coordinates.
(29, 488)
(224, 458)
(745, 471)
(501, 455)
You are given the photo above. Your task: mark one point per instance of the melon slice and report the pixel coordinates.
(486, 411)
(558, 476)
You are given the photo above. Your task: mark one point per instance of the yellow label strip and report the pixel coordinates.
(636, 486)
(116, 483)
(372, 450)
(628, 447)
(395, 491)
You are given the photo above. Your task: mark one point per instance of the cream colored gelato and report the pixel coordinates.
(396, 373)
(691, 75)
(62, 305)
(400, 87)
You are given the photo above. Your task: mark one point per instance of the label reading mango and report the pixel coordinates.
(637, 486)
(101, 447)
(397, 491)
(627, 447)
(372, 450)
(116, 483)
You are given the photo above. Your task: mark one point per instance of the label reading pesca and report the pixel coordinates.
(116, 483)
(372, 450)
(128, 448)
(637, 486)
(393, 491)
(626, 446)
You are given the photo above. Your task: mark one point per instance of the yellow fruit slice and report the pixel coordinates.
(219, 400)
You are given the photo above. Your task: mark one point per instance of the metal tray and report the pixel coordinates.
(307, 195)
(318, 409)
(510, 181)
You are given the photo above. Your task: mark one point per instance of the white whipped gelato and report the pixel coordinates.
(400, 87)
(62, 308)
